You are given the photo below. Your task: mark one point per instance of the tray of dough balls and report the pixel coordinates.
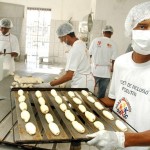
(61, 115)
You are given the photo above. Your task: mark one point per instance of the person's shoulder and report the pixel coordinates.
(97, 39)
(124, 57)
(79, 44)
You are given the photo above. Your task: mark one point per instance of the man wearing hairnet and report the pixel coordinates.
(130, 88)
(9, 46)
(103, 51)
(78, 61)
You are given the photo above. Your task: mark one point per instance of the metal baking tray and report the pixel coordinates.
(68, 133)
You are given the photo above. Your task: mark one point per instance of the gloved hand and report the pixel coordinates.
(107, 140)
(42, 85)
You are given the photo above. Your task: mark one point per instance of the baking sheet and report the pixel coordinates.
(68, 133)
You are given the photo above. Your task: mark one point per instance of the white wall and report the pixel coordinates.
(61, 9)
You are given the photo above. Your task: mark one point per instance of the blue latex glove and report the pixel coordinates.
(42, 85)
(107, 140)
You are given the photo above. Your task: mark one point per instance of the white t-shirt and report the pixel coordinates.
(79, 62)
(130, 87)
(103, 50)
(10, 43)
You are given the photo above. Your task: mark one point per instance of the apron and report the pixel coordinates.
(8, 63)
(83, 80)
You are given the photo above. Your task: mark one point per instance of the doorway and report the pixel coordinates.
(37, 34)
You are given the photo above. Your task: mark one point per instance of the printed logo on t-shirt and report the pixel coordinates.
(123, 108)
(99, 43)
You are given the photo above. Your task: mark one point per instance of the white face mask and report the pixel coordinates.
(141, 41)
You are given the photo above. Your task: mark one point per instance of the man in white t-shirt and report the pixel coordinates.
(78, 68)
(130, 87)
(9, 45)
(103, 53)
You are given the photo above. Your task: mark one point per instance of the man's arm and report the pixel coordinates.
(66, 77)
(137, 139)
(108, 102)
(131, 139)
(14, 54)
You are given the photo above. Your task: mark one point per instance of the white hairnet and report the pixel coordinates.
(64, 29)
(108, 28)
(6, 23)
(137, 14)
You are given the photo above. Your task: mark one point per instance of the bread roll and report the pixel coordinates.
(25, 115)
(21, 98)
(38, 94)
(90, 116)
(49, 118)
(30, 128)
(71, 94)
(54, 128)
(53, 92)
(23, 106)
(121, 125)
(78, 127)
(98, 105)
(20, 92)
(90, 99)
(44, 109)
(58, 99)
(99, 125)
(85, 93)
(77, 100)
(82, 108)
(63, 107)
(69, 115)
(41, 101)
(108, 115)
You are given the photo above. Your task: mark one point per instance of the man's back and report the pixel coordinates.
(103, 50)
